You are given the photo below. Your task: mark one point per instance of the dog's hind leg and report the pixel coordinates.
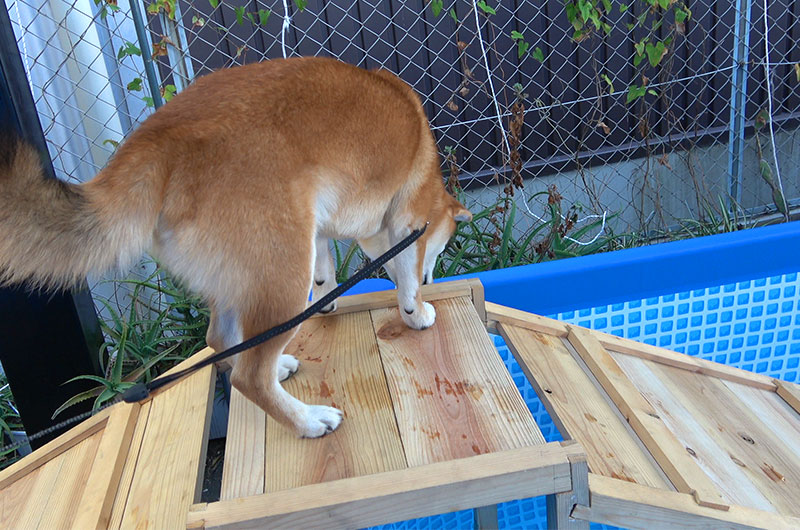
(256, 375)
(224, 331)
(324, 273)
(258, 371)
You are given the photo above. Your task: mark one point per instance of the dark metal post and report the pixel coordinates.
(741, 51)
(45, 339)
(144, 45)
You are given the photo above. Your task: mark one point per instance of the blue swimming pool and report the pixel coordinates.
(733, 299)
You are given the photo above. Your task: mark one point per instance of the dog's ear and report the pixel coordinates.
(461, 214)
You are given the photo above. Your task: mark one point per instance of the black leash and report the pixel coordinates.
(141, 391)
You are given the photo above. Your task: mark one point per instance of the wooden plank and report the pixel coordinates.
(408, 493)
(763, 457)
(340, 367)
(166, 475)
(94, 508)
(243, 467)
(685, 362)
(485, 517)
(701, 443)
(32, 508)
(383, 299)
(54, 448)
(500, 314)
(559, 513)
(773, 412)
(561, 505)
(191, 361)
(47, 496)
(478, 298)
(497, 313)
(619, 503)
(452, 394)
(670, 454)
(790, 393)
(61, 506)
(579, 409)
(14, 496)
(128, 470)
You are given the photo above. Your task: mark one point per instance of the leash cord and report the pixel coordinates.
(141, 391)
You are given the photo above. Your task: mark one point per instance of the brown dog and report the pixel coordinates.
(235, 187)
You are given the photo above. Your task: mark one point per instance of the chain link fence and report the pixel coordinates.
(646, 118)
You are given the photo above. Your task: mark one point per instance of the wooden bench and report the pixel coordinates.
(671, 440)
(433, 423)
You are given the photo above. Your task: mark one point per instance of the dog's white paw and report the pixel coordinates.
(287, 366)
(420, 319)
(319, 421)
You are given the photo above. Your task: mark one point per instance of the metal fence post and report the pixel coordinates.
(177, 49)
(741, 52)
(145, 46)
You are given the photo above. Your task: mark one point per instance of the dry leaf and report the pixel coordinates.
(606, 128)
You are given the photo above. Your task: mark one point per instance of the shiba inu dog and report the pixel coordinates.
(236, 186)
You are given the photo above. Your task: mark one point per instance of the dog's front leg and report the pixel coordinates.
(408, 277)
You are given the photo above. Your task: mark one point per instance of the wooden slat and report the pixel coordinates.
(171, 455)
(94, 509)
(561, 505)
(732, 480)
(579, 409)
(62, 504)
(685, 362)
(619, 503)
(766, 459)
(485, 517)
(54, 448)
(340, 367)
(774, 413)
(670, 454)
(497, 313)
(505, 315)
(413, 492)
(453, 396)
(478, 298)
(790, 393)
(14, 496)
(243, 467)
(128, 470)
(46, 481)
(383, 299)
(47, 497)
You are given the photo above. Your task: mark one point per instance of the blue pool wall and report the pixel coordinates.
(607, 278)
(613, 277)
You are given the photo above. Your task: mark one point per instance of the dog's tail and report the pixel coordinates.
(53, 234)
